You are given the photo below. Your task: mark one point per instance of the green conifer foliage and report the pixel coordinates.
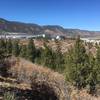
(23, 51)
(77, 65)
(16, 48)
(47, 56)
(59, 59)
(2, 49)
(92, 75)
(31, 51)
(97, 67)
(9, 46)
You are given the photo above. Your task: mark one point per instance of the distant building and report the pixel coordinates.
(58, 37)
(44, 35)
(21, 36)
(88, 40)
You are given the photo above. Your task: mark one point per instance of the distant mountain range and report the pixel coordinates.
(53, 30)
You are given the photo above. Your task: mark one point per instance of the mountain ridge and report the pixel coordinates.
(54, 30)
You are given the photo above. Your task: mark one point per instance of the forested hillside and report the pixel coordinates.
(80, 69)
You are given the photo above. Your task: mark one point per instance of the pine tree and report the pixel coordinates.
(2, 50)
(9, 47)
(23, 51)
(98, 56)
(48, 57)
(2, 55)
(31, 50)
(97, 67)
(16, 48)
(77, 64)
(59, 60)
(39, 53)
(92, 75)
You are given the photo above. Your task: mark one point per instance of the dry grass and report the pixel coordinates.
(65, 44)
(40, 76)
(82, 95)
(32, 76)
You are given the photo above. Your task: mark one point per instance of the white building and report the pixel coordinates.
(88, 40)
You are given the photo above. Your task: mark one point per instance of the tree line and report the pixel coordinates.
(81, 69)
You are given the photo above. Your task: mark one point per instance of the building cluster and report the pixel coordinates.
(21, 36)
(89, 40)
(11, 35)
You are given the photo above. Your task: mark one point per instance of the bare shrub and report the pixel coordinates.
(42, 79)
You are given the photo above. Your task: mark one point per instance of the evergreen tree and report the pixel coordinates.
(92, 75)
(98, 56)
(59, 60)
(39, 52)
(16, 48)
(97, 67)
(23, 51)
(31, 51)
(9, 46)
(48, 57)
(77, 65)
(2, 55)
(2, 50)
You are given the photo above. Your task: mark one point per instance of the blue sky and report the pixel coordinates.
(82, 14)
